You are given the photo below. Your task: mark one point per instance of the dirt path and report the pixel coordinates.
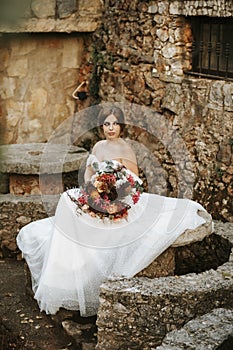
(22, 326)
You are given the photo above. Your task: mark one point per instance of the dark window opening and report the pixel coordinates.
(212, 48)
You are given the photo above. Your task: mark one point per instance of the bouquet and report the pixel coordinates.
(110, 192)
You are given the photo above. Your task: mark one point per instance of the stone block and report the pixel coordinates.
(89, 7)
(43, 8)
(4, 58)
(72, 52)
(22, 46)
(18, 68)
(175, 8)
(33, 184)
(8, 87)
(164, 265)
(39, 97)
(209, 331)
(41, 158)
(4, 183)
(15, 212)
(153, 307)
(227, 92)
(66, 7)
(153, 8)
(216, 98)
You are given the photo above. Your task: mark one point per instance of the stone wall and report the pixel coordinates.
(213, 8)
(137, 314)
(42, 64)
(35, 16)
(39, 72)
(142, 50)
(146, 48)
(211, 331)
(21, 210)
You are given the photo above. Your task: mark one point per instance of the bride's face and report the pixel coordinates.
(111, 128)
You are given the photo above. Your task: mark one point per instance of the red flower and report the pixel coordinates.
(83, 199)
(108, 178)
(135, 197)
(104, 196)
(131, 180)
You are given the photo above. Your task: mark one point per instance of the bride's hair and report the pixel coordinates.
(116, 111)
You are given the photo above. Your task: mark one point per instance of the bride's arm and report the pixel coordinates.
(130, 159)
(131, 165)
(89, 171)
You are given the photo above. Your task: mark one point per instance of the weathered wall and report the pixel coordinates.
(41, 64)
(38, 74)
(21, 211)
(142, 50)
(208, 332)
(137, 313)
(149, 47)
(35, 16)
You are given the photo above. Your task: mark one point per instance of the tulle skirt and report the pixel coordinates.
(70, 255)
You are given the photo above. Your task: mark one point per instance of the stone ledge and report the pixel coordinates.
(41, 158)
(139, 312)
(87, 24)
(10, 199)
(225, 230)
(51, 16)
(198, 234)
(15, 212)
(206, 332)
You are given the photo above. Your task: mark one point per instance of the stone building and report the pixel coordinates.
(173, 58)
(169, 65)
(165, 55)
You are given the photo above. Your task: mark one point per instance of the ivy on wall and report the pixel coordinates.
(99, 62)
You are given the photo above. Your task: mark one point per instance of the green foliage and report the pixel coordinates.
(97, 70)
(99, 62)
(219, 172)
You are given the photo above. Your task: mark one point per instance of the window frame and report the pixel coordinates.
(213, 56)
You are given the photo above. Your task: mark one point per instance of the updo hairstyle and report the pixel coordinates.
(116, 111)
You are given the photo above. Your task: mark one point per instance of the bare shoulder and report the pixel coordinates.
(98, 146)
(129, 152)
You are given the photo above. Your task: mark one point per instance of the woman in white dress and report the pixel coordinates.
(71, 255)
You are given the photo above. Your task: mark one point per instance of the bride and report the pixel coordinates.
(71, 254)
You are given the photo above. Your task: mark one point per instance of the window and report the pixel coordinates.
(212, 49)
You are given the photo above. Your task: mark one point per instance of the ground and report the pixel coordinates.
(22, 325)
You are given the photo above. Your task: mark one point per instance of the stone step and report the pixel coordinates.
(139, 312)
(209, 331)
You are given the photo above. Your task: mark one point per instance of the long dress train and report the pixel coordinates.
(70, 255)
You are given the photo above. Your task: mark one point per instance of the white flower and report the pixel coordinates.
(120, 182)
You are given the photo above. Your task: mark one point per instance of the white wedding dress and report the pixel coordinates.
(71, 255)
